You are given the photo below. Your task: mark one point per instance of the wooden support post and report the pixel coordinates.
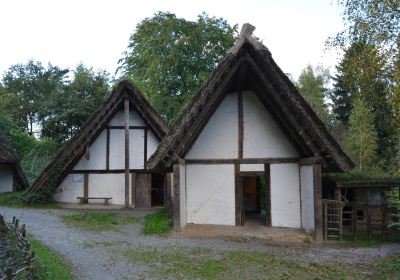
(267, 178)
(238, 197)
(354, 221)
(325, 217)
(176, 201)
(145, 149)
(318, 202)
(108, 150)
(86, 187)
(369, 226)
(126, 109)
(240, 125)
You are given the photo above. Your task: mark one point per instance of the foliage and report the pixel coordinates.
(311, 85)
(157, 223)
(362, 74)
(99, 221)
(362, 135)
(170, 57)
(394, 202)
(49, 264)
(373, 21)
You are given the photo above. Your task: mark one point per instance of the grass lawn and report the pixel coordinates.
(157, 223)
(197, 263)
(99, 221)
(14, 200)
(49, 265)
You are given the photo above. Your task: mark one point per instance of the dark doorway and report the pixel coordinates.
(255, 200)
(157, 190)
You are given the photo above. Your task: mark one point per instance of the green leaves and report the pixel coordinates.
(362, 135)
(171, 57)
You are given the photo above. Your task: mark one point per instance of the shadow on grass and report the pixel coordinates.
(99, 221)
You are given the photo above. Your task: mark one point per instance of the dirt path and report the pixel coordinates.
(98, 255)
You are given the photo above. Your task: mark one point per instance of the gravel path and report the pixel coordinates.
(105, 262)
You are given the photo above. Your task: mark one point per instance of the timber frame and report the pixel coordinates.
(249, 66)
(124, 94)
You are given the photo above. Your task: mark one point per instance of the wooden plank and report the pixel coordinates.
(130, 127)
(239, 221)
(176, 215)
(318, 202)
(240, 124)
(86, 187)
(252, 173)
(126, 110)
(108, 150)
(309, 161)
(133, 191)
(267, 171)
(145, 149)
(242, 161)
(110, 171)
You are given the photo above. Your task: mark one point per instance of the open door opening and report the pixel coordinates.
(157, 190)
(255, 201)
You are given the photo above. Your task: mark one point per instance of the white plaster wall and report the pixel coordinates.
(210, 194)
(117, 149)
(252, 167)
(136, 149)
(307, 197)
(68, 190)
(182, 193)
(6, 178)
(152, 143)
(285, 195)
(97, 152)
(219, 137)
(134, 119)
(262, 137)
(108, 185)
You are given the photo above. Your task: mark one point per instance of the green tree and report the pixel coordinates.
(311, 85)
(26, 86)
(362, 73)
(170, 57)
(362, 139)
(67, 110)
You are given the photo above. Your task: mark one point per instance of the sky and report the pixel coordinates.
(66, 33)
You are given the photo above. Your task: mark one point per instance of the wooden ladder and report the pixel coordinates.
(332, 217)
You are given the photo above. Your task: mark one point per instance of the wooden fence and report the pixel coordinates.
(23, 246)
(357, 219)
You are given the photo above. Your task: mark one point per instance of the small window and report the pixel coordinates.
(360, 215)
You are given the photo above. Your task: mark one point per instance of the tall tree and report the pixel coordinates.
(362, 72)
(66, 110)
(26, 86)
(362, 134)
(170, 57)
(311, 85)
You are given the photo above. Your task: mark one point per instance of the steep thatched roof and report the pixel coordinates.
(56, 171)
(249, 65)
(9, 156)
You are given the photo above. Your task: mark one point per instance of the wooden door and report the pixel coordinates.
(141, 190)
(267, 184)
